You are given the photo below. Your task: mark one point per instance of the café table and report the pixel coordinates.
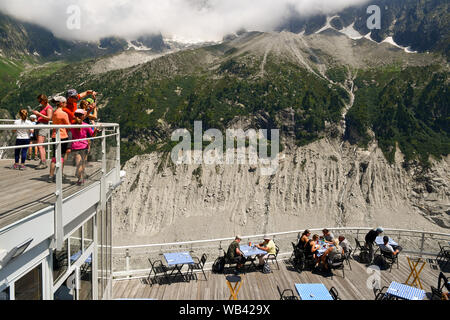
(178, 260)
(313, 291)
(250, 252)
(405, 292)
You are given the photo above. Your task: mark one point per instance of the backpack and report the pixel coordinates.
(266, 268)
(219, 265)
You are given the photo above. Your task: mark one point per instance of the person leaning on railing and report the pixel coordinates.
(59, 118)
(45, 114)
(22, 139)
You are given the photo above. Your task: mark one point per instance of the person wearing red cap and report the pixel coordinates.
(73, 97)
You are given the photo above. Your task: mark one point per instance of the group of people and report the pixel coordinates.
(235, 255)
(69, 110)
(335, 247)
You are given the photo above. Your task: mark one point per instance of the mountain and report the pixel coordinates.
(323, 79)
(421, 25)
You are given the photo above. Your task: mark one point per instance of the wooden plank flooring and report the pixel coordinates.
(259, 286)
(23, 193)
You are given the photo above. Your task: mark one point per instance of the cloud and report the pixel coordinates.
(186, 19)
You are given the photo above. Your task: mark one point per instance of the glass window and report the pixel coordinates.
(75, 246)
(88, 233)
(67, 290)
(4, 294)
(104, 251)
(29, 287)
(99, 254)
(108, 239)
(86, 280)
(60, 261)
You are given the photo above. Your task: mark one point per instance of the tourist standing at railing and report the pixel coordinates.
(44, 116)
(91, 109)
(59, 118)
(80, 148)
(73, 98)
(22, 139)
(370, 238)
(33, 140)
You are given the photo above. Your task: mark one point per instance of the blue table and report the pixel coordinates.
(379, 241)
(323, 248)
(77, 255)
(314, 291)
(405, 292)
(251, 251)
(178, 260)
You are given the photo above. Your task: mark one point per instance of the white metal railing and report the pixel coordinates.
(131, 262)
(107, 130)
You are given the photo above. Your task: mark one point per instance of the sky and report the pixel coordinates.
(191, 20)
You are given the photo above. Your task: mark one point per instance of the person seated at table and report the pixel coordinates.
(386, 247)
(312, 246)
(345, 244)
(327, 236)
(303, 240)
(267, 245)
(333, 250)
(235, 255)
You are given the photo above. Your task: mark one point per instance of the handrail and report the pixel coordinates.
(125, 271)
(61, 126)
(272, 234)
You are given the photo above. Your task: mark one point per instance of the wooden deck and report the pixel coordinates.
(23, 193)
(259, 286)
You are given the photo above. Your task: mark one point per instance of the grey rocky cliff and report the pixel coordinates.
(327, 183)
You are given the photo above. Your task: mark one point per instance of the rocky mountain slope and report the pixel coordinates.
(326, 183)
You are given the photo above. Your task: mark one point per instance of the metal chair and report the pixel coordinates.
(362, 249)
(347, 256)
(198, 265)
(337, 263)
(159, 270)
(442, 282)
(390, 258)
(273, 257)
(284, 296)
(444, 254)
(334, 293)
(299, 258)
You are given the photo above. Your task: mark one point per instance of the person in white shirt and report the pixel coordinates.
(386, 247)
(22, 139)
(33, 138)
(345, 244)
